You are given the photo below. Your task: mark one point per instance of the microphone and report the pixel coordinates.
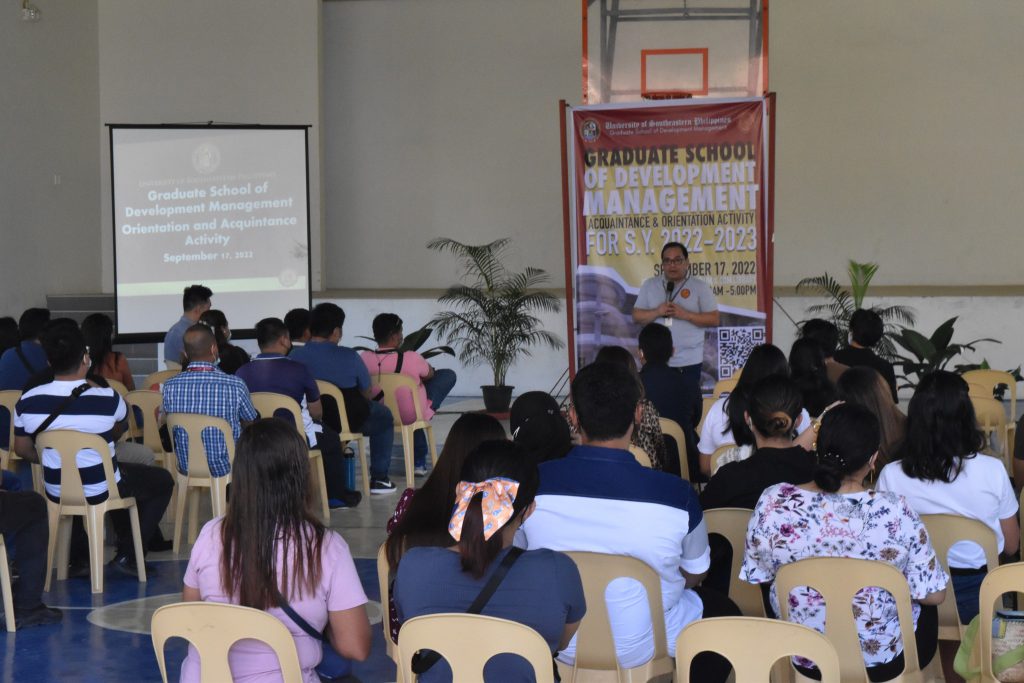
(669, 286)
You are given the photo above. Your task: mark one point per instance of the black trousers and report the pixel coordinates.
(23, 522)
(151, 487)
(709, 666)
(331, 451)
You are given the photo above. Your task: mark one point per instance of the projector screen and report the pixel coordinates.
(222, 206)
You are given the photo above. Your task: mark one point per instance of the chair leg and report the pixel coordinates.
(94, 530)
(218, 496)
(63, 546)
(5, 589)
(410, 464)
(317, 465)
(53, 515)
(37, 479)
(428, 432)
(193, 514)
(179, 512)
(140, 555)
(363, 469)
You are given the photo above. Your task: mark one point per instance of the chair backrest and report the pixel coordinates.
(213, 627)
(990, 412)
(9, 399)
(753, 646)
(838, 580)
(725, 386)
(468, 641)
(328, 389)
(979, 390)
(148, 403)
(672, 430)
(595, 648)
(268, 403)
(725, 454)
(68, 443)
(384, 581)
(731, 524)
(194, 425)
(944, 531)
(390, 383)
(1006, 579)
(992, 379)
(158, 377)
(119, 387)
(640, 455)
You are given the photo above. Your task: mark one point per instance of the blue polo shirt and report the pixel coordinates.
(279, 374)
(602, 500)
(14, 376)
(339, 365)
(174, 340)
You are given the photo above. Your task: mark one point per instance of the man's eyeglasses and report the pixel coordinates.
(673, 261)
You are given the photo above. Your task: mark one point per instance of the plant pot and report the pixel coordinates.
(497, 399)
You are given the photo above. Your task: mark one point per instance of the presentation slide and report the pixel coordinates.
(226, 207)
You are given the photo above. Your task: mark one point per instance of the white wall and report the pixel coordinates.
(897, 139)
(441, 119)
(49, 113)
(228, 61)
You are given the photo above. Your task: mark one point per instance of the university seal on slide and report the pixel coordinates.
(206, 158)
(590, 130)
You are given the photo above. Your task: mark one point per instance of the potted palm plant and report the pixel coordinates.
(492, 313)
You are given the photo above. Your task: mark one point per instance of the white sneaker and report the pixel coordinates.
(420, 471)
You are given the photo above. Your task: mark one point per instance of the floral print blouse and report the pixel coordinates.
(790, 524)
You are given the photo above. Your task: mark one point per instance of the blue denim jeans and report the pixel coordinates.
(438, 387)
(380, 428)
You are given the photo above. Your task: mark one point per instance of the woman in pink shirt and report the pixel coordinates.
(269, 548)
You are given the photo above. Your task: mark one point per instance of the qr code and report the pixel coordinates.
(734, 345)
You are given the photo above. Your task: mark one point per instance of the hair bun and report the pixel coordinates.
(779, 423)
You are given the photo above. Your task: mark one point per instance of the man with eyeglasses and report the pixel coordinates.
(682, 303)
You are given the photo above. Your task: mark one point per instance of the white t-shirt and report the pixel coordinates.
(717, 420)
(981, 491)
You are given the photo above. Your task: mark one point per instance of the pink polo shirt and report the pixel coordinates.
(250, 660)
(413, 365)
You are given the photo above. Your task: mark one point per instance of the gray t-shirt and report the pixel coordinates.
(693, 295)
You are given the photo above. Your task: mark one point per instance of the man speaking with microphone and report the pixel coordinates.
(682, 303)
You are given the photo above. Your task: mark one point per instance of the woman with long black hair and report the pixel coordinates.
(271, 550)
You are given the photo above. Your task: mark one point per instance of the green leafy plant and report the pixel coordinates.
(492, 317)
(843, 301)
(413, 341)
(927, 354)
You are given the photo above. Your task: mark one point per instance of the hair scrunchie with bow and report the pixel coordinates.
(499, 494)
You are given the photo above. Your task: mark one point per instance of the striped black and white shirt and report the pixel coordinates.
(95, 411)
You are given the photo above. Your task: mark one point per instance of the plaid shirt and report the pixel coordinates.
(202, 388)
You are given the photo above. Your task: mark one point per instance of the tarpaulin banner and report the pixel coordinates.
(692, 172)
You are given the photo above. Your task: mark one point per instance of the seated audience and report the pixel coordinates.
(22, 361)
(598, 498)
(432, 385)
(274, 372)
(866, 330)
(835, 516)
(231, 357)
(194, 302)
(269, 540)
(537, 426)
(342, 367)
(773, 410)
(75, 404)
(421, 516)
(863, 386)
(647, 434)
(940, 471)
(204, 389)
(23, 523)
(725, 424)
(98, 329)
(541, 588)
(672, 396)
(297, 321)
(808, 370)
(826, 334)
(8, 333)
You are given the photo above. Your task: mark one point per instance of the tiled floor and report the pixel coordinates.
(106, 637)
